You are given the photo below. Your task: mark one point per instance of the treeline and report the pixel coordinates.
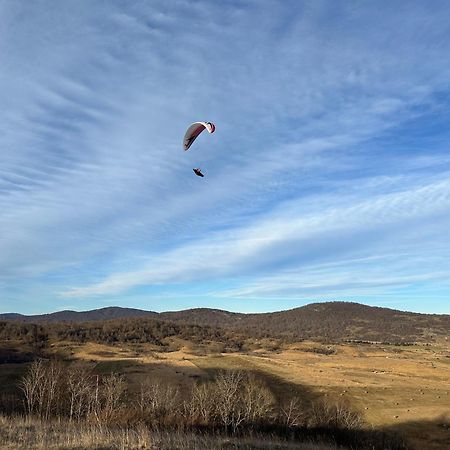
(327, 322)
(232, 403)
(141, 330)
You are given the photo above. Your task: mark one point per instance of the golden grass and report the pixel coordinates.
(403, 388)
(19, 433)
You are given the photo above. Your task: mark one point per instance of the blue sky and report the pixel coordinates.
(327, 177)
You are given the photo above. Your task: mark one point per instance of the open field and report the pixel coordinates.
(403, 388)
(17, 434)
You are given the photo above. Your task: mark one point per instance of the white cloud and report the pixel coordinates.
(93, 182)
(289, 233)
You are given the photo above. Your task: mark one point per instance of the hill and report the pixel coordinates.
(109, 313)
(331, 321)
(326, 321)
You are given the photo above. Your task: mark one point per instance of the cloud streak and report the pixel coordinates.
(329, 147)
(288, 236)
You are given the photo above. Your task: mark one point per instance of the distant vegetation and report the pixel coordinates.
(142, 330)
(328, 322)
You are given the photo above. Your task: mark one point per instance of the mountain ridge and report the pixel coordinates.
(323, 321)
(118, 312)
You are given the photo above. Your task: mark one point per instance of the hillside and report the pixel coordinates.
(326, 321)
(109, 313)
(332, 321)
(397, 388)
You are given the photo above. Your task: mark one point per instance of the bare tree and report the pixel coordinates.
(233, 399)
(158, 400)
(43, 388)
(346, 417)
(337, 415)
(81, 389)
(258, 401)
(228, 399)
(291, 412)
(94, 401)
(31, 385)
(113, 391)
(53, 388)
(200, 406)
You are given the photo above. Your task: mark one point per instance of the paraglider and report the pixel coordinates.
(194, 130)
(192, 134)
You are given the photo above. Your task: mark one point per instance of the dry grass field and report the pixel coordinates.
(402, 388)
(29, 433)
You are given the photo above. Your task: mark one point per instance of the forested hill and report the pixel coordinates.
(113, 312)
(329, 321)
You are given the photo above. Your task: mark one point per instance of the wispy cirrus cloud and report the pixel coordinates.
(329, 146)
(292, 235)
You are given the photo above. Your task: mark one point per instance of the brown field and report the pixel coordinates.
(403, 388)
(29, 433)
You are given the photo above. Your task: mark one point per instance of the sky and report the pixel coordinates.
(328, 176)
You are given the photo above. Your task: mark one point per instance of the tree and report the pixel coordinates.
(113, 391)
(32, 386)
(258, 401)
(158, 400)
(228, 399)
(81, 390)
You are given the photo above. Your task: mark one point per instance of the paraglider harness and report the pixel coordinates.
(198, 172)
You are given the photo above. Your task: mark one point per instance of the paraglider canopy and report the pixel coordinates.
(194, 130)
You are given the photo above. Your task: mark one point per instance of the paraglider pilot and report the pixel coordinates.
(193, 131)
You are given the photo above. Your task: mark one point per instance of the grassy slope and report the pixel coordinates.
(400, 388)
